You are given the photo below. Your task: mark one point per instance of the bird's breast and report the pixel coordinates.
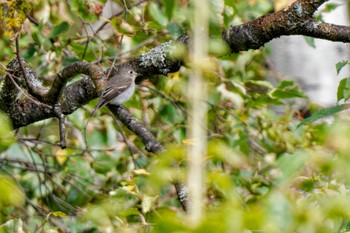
(124, 96)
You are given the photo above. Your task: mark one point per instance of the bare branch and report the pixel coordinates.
(151, 143)
(297, 19)
(61, 123)
(325, 31)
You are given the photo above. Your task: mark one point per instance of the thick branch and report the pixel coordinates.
(96, 73)
(26, 110)
(297, 19)
(325, 31)
(159, 60)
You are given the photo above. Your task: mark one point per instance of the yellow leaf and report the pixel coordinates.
(281, 4)
(129, 187)
(190, 141)
(148, 202)
(141, 172)
(6, 135)
(58, 214)
(61, 156)
(174, 75)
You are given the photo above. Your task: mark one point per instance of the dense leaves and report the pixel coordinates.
(265, 169)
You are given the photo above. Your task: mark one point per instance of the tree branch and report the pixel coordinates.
(297, 19)
(151, 143)
(325, 31)
(26, 110)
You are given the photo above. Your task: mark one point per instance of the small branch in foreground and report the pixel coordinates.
(61, 124)
(38, 91)
(152, 145)
(24, 73)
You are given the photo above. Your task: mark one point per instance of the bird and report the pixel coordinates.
(119, 88)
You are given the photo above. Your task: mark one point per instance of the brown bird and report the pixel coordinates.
(119, 88)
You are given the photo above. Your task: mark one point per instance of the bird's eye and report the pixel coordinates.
(131, 72)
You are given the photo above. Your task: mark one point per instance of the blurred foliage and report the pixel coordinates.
(265, 171)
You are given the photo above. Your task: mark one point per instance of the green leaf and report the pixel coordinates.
(218, 47)
(58, 29)
(310, 41)
(260, 87)
(259, 101)
(170, 114)
(76, 198)
(287, 89)
(6, 136)
(36, 39)
(157, 14)
(175, 29)
(79, 49)
(148, 202)
(322, 113)
(103, 163)
(290, 165)
(11, 192)
(330, 7)
(169, 8)
(30, 51)
(69, 60)
(343, 91)
(229, 3)
(340, 65)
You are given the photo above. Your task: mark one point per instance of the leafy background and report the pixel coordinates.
(267, 169)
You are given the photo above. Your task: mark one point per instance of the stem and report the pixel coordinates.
(198, 111)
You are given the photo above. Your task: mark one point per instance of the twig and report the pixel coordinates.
(151, 143)
(24, 73)
(24, 93)
(132, 148)
(61, 122)
(116, 15)
(32, 20)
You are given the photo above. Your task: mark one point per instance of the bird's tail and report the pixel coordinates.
(98, 105)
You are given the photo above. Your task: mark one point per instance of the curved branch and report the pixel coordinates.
(96, 73)
(297, 19)
(26, 110)
(294, 20)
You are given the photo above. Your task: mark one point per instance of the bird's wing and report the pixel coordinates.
(111, 91)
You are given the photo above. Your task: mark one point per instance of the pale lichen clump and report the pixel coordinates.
(157, 56)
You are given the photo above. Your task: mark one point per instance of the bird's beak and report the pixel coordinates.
(138, 78)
